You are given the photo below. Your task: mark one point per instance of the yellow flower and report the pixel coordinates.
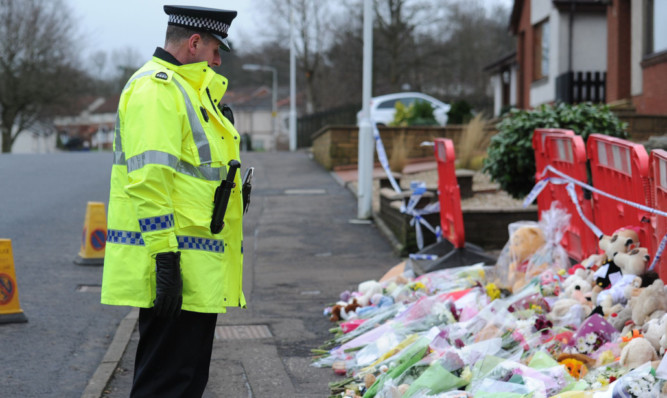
(575, 367)
(466, 374)
(606, 357)
(492, 291)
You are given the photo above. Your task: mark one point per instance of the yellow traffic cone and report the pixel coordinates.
(10, 309)
(94, 237)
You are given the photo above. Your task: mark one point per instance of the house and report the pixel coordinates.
(86, 123)
(610, 51)
(90, 125)
(253, 117)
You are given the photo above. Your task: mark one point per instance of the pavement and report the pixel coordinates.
(303, 246)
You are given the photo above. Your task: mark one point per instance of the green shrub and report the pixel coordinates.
(511, 159)
(459, 113)
(419, 113)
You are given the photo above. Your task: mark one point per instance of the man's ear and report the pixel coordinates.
(194, 41)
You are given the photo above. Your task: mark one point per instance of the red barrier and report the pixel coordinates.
(451, 217)
(620, 168)
(542, 160)
(567, 153)
(659, 183)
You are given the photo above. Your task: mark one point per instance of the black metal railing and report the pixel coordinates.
(308, 125)
(575, 87)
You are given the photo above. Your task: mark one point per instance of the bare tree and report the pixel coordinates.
(312, 36)
(396, 23)
(37, 62)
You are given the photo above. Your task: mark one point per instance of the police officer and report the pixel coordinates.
(171, 147)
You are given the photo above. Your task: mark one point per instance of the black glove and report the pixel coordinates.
(168, 285)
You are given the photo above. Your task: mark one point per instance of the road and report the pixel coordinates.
(42, 207)
(300, 249)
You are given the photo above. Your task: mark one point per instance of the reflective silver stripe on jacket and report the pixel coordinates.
(198, 133)
(166, 159)
(205, 171)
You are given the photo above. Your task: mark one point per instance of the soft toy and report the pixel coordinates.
(343, 310)
(651, 303)
(654, 330)
(614, 299)
(570, 310)
(622, 320)
(633, 262)
(575, 285)
(622, 241)
(366, 290)
(637, 352)
(524, 242)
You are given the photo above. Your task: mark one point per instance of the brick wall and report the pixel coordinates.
(654, 95)
(642, 127)
(338, 145)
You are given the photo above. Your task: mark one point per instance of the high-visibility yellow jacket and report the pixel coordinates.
(171, 150)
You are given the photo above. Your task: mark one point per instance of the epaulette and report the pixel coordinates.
(163, 76)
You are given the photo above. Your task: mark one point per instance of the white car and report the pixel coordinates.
(383, 107)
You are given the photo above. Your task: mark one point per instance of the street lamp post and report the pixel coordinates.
(274, 99)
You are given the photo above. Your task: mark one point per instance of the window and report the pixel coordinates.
(656, 28)
(541, 51)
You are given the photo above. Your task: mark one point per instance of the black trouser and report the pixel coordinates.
(173, 355)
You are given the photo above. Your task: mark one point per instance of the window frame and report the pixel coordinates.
(539, 45)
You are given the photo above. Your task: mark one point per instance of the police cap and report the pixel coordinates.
(213, 21)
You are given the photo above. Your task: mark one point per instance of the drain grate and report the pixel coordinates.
(242, 332)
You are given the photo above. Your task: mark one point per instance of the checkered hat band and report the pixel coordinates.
(199, 23)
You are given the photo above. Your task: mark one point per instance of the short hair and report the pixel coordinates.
(175, 34)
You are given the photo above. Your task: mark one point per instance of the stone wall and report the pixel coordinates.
(337, 145)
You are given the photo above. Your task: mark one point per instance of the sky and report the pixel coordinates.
(140, 24)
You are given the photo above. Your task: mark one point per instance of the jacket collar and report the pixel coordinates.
(198, 75)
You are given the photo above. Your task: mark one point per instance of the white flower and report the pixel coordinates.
(591, 338)
(582, 346)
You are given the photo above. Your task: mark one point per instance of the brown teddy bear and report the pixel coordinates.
(523, 243)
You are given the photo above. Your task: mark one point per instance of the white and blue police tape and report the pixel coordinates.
(429, 257)
(566, 179)
(418, 191)
(382, 156)
(418, 221)
(658, 253)
(603, 193)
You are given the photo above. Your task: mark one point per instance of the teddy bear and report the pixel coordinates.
(634, 262)
(366, 291)
(654, 331)
(575, 284)
(524, 242)
(622, 241)
(622, 321)
(651, 303)
(343, 310)
(637, 352)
